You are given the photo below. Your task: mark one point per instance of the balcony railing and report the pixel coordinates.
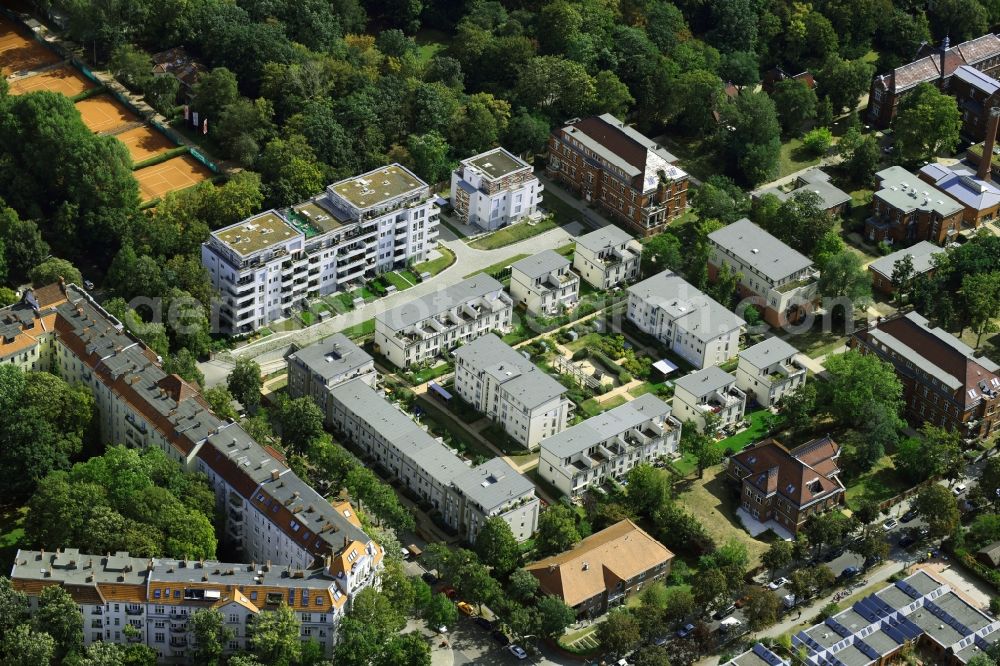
(133, 610)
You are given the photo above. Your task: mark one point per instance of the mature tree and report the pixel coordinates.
(862, 160)
(497, 547)
(817, 141)
(289, 170)
(740, 68)
(735, 24)
(13, 608)
(795, 103)
(827, 528)
(243, 127)
(985, 529)
(719, 198)
(24, 646)
(957, 19)
(620, 632)
(211, 636)
(440, 612)
(522, 586)
(221, 401)
(938, 507)
(726, 284)
(648, 488)
(526, 133)
(761, 609)
(777, 556)
(844, 81)
(927, 124)
(50, 270)
(712, 588)
(700, 444)
(7, 297)
(160, 92)
(981, 294)
(860, 386)
(661, 252)
(750, 135)
(23, 247)
(800, 221)
(214, 91)
(650, 655)
(275, 636)
(554, 615)
(989, 481)
(937, 452)
(703, 94)
(60, 617)
(611, 95)
(798, 408)
(132, 66)
(106, 653)
(245, 383)
(844, 278)
(430, 156)
(300, 420)
(872, 546)
(556, 87)
(556, 530)
(902, 277)
(185, 365)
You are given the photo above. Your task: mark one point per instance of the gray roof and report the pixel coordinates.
(703, 382)
(903, 190)
(963, 185)
(817, 182)
(541, 264)
(492, 484)
(763, 354)
(980, 80)
(382, 416)
(604, 426)
(813, 176)
(496, 163)
(415, 311)
(520, 377)
(703, 317)
(922, 254)
(760, 250)
(605, 237)
(335, 356)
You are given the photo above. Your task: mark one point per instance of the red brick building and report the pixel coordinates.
(944, 383)
(787, 486)
(906, 210)
(935, 65)
(609, 163)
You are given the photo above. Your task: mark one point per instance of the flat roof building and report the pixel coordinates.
(316, 368)
(906, 209)
(494, 189)
(711, 390)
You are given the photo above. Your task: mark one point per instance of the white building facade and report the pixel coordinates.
(709, 391)
(608, 257)
(494, 189)
(544, 284)
(608, 445)
(768, 371)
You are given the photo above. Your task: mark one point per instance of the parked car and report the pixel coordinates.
(724, 612)
(483, 622)
(685, 631)
(739, 603)
(959, 489)
(777, 583)
(907, 540)
(429, 578)
(405, 554)
(849, 572)
(833, 554)
(442, 629)
(517, 651)
(909, 515)
(88, 285)
(466, 608)
(660, 641)
(729, 623)
(890, 524)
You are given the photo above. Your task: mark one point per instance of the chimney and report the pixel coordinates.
(945, 43)
(986, 160)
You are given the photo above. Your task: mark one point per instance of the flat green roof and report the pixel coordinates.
(256, 233)
(312, 219)
(496, 163)
(378, 186)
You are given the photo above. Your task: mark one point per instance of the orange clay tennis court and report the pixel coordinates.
(144, 142)
(103, 113)
(66, 80)
(19, 52)
(175, 174)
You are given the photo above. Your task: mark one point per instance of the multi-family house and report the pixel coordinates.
(944, 382)
(426, 327)
(603, 570)
(768, 371)
(833, 200)
(630, 176)
(921, 257)
(978, 195)
(463, 496)
(782, 487)
(494, 189)
(125, 599)
(314, 369)
(544, 283)
(779, 280)
(356, 229)
(934, 65)
(709, 391)
(266, 511)
(906, 210)
(528, 403)
(608, 445)
(607, 258)
(693, 325)
(921, 612)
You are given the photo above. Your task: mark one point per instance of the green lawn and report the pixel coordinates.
(513, 234)
(308, 318)
(341, 302)
(409, 275)
(880, 483)
(435, 266)
(695, 155)
(430, 42)
(646, 387)
(761, 422)
(817, 343)
(500, 265)
(592, 407)
(427, 374)
(366, 327)
(792, 158)
(397, 280)
(560, 208)
(11, 534)
(461, 438)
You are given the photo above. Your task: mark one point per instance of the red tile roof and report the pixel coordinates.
(927, 67)
(800, 475)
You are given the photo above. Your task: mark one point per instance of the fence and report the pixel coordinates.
(567, 368)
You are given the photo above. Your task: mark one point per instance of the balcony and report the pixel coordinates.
(97, 624)
(235, 517)
(177, 616)
(178, 641)
(133, 610)
(235, 500)
(179, 628)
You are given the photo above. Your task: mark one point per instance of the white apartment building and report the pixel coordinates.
(781, 281)
(608, 445)
(768, 371)
(465, 496)
(544, 283)
(527, 402)
(127, 599)
(711, 390)
(608, 257)
(692, 324)
(494, 189)
(353, 231)
(315, 369)
(425, 327)
(270, 514)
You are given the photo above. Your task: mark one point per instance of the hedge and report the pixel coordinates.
(161, 158)
(88, 93)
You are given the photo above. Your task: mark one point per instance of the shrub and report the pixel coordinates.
(817, 142)
(624, 377)
(581, 354)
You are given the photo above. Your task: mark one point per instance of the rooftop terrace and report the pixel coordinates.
(377, 187)
(496, 163)
(312, 219)
(256, 233)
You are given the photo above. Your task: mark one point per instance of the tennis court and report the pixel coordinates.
(103, 113)
(144, 142)
(177, 173)
(65, 79)
(19, 52)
